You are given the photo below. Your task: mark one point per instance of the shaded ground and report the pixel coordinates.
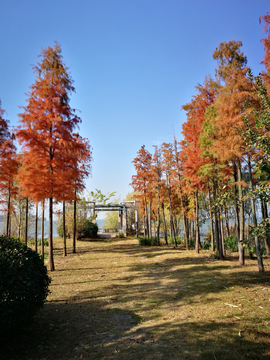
(116, 300)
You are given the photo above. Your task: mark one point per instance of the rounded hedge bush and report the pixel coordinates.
(86, 229)
(24, 284)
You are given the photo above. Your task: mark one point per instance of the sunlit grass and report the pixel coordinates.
(123, 301)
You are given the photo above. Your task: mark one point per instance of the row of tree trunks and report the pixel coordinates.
(36, 228)
(265, 217)
(257, 244)
(164, 224)
(241, 215)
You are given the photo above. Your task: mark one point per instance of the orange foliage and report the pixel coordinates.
(55, 160)
(191, 151)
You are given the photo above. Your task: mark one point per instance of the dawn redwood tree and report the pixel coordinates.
(52, 154)
(192, 153)
(8, 169)
(179, 181)
(168, 171)
(8, 172)
(266, 45)
(157, 183)
(257, 139)
(216, 175)
(141, 181)
(235, 91)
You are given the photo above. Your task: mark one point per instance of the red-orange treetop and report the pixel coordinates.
(53, 155)
(191, 149)
(266, 45)
(141, 181)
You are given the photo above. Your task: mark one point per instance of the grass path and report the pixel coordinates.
(116, 300)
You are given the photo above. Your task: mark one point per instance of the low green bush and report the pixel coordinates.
(252, 248)
(32, 242)
(179, 240)
(206, 245)
(121, 235)
(231, 243)
(215, 255)
(191, 243)
(60, 230)
(86, 229)
(144, 241)
(24, 284)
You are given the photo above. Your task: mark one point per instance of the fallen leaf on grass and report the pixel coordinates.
(231, 305)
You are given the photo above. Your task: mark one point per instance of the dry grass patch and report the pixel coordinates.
(116, 300)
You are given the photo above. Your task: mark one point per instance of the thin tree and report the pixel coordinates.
(46, 133)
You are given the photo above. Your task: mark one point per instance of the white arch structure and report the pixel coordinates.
(122, 209)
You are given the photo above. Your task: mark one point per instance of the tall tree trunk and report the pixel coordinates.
(20, 220)
(42, 229)
(186, 230)
(264, 217)
(197, 223)
(146, 218)
(211, 221)
(222, 232)
(26, 222)
(187, 225)
(51, 262)
(237, 221)
(36, 228)
(158, 218)
(8, 215)
(181, 194)
(267, 222)
(171, 218)
(64, 230)
(164, 224)
(257, 243)
(227, 221)
(150, 224)
(241, 217)
(74, 226)
(144, 229)
(219, 237)
(193, 230)
(217, 216)
(10, 223)
(176, 225)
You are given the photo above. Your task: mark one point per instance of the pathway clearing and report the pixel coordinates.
(117, 300)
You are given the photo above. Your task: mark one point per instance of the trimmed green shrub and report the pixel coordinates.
(32, 241)
(24, 284)
(191, 243)
(206, 245)
(179, 240)
(144, 241)
(231, 243)
(60, 230)
(86, 229)
(121, 235)
(252, 248)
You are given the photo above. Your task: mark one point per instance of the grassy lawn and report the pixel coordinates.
(116, 300)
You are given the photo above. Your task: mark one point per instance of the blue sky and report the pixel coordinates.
(134, 64)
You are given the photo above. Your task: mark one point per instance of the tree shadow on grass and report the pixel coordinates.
(104, 323)
(63, 329)
(88, 330)
(197, 280)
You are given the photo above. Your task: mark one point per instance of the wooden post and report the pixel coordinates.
(36, 228)
(124, 221)
(26, 222)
